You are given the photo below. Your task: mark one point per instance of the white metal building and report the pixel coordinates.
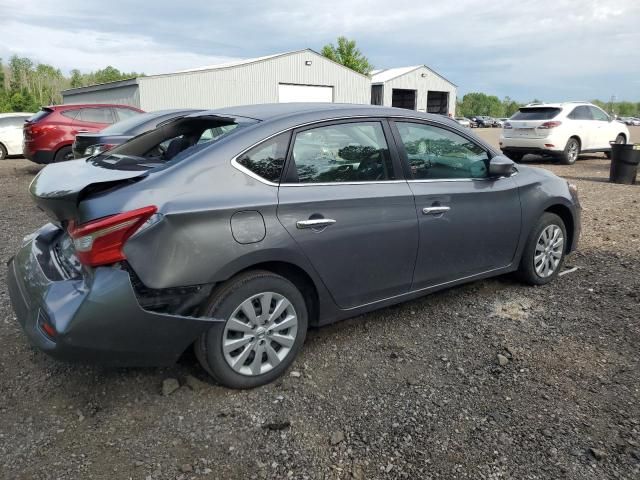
(298, 76)
(416, 88)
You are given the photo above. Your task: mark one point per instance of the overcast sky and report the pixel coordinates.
(545, 49)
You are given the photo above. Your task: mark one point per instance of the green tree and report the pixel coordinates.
(347, 54)
(76, 78)
(509, 107)
(477, 103)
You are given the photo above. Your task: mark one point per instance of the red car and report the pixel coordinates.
(49, 134)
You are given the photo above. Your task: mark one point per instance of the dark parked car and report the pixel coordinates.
(49, 134)
(256, 222)
(483, 121)
(87, 144)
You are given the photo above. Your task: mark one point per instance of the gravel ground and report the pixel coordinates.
(491, 380)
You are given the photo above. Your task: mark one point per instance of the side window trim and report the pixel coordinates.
(290, 176)
(399, 144)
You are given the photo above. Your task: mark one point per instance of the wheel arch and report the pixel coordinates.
(300, 278)
(569, 223)
(577, 137)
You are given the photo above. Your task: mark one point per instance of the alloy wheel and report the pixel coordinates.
(573, 150)
(259, 334)
(549, 249)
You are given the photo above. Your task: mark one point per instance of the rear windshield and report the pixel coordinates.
(536, 113)
(170, 143)
(40, 115)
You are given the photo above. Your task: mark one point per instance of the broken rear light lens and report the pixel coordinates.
(100, 242)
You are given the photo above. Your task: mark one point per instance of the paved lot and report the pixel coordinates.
(413, 391)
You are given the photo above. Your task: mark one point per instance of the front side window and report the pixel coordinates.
(598, 114)
(435, 153)
(267, 159)
(349, 152)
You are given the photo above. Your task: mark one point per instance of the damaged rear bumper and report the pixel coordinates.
(96, 318)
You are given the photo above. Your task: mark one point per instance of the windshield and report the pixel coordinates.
(537, 113)
(170, 143)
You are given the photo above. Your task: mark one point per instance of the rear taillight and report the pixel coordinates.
(100, 242)
(549, 125)
(97, 149)
(507, 126)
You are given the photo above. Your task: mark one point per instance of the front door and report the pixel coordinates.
(469, 223)
(344, 203)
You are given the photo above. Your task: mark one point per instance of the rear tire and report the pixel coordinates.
(516, 157)
(544, 252)
(3, 152)
(63, 155)
(571, 152)
(619, 139)
(253, 333)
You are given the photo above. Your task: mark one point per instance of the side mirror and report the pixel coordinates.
(500, 166)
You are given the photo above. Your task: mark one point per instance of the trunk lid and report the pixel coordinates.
(59, 187)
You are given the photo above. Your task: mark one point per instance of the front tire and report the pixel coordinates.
(544, 252)
(3, 152)
(571, 152)
(265, 324)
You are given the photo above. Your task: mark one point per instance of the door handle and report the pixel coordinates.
(435, 210)
(315, 223)
(82, 131)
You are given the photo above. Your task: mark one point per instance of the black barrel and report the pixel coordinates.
(625, 158)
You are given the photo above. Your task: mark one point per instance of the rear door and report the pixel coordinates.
(345, 203)
(93, 119)
(581, 124)
(469, 223)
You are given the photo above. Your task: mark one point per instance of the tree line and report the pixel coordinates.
(477, 103)
(25, 85)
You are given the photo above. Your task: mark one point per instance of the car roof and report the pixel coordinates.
(15, 114)
(557, 105)
(318, 111)
(87, 105)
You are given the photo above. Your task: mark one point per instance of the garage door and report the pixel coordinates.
(304, 93)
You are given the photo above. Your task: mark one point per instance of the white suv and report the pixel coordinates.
(11, 133)
(562, 130)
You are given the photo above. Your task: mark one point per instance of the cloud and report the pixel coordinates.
(549, 49)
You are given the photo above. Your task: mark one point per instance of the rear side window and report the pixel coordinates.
(436, 153)
(536, 113)
(96, 115)
(349, 152)
(267, 159)
(72, 114)
(581, 113)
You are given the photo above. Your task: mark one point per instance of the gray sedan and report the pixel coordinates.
(235, 230)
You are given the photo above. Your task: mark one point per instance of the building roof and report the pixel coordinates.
(219, 66)
(384, 75)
